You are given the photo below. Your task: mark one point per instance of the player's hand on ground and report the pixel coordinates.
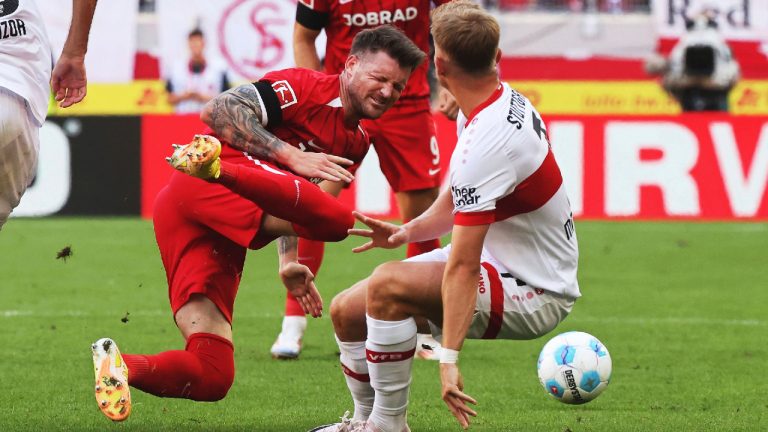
(453, 394)
(300, 282)
(319, 165)
(382, 234)
(68, 80)
(447, 104)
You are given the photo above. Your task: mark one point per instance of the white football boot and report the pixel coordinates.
(111, 387)
(348, 425)
(288, 343)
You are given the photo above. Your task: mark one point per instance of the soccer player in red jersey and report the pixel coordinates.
(258, 187)
(404, 137)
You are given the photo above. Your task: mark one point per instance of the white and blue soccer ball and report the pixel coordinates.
(574, 367)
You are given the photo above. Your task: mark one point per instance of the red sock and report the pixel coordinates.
(420, 247)
(204, 371)
(315, 214)
(311, 255)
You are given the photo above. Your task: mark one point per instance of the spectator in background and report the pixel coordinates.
(700, 71)
(196, 81)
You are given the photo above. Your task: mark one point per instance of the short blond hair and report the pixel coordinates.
(467, 34)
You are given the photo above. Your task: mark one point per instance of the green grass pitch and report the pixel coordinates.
(682, 307)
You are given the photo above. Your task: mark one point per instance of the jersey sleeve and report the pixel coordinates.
(282, 93)
(313, 14)
(484, 175)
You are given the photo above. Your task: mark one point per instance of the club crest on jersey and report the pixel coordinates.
(285, 93)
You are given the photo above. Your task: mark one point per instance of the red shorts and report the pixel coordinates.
(203, 231)
(404, 138)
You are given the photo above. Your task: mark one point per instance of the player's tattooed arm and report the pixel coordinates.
(235, 115)
(287, 248)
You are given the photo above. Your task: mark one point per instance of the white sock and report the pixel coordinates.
(293, 327)
(389, 349)
(355, 370)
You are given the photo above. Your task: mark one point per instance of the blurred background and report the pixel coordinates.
(601, 72)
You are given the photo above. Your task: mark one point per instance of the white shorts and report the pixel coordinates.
(19, 146)
(506, 308)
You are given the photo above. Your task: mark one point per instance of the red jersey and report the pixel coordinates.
(303, 108)
(343, 19)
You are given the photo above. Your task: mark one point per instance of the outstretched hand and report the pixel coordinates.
(453, 394)
(68, 80)
(320, 165)
(300, 282)
(382, 234)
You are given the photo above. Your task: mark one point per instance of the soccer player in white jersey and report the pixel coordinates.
(510, 272)
(25, 71)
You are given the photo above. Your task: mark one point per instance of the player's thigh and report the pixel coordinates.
(406, 145)
(508, 308)
(19, 145)
(197, 259)
(411, 286)
(412, 203)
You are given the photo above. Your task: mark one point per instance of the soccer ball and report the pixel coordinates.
(574, 367)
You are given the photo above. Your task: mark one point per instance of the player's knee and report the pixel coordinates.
(385, 288)
(339, 222)
(346, 314)
(214, 387)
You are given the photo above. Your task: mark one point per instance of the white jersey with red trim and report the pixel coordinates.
(25, 55)
(503, 173)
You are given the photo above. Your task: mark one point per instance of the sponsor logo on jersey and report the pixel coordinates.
(285, 93)
(464, 196)
(12, 28)
(8, 7)
(380, 17)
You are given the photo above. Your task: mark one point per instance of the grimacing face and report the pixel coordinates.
(375, 83)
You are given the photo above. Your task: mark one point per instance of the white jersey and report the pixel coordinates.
(25, 55)
(503, 173)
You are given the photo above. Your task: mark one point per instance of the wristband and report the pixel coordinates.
(449, 356)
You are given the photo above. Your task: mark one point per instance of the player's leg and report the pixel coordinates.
(19, 146)
(203, 269)
(397, 292)
(289, 342)
(413, 203)
(409, 157)
(315, 214)
(509, 308)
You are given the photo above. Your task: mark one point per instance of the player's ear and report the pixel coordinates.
(498, 55)
(351, 62)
